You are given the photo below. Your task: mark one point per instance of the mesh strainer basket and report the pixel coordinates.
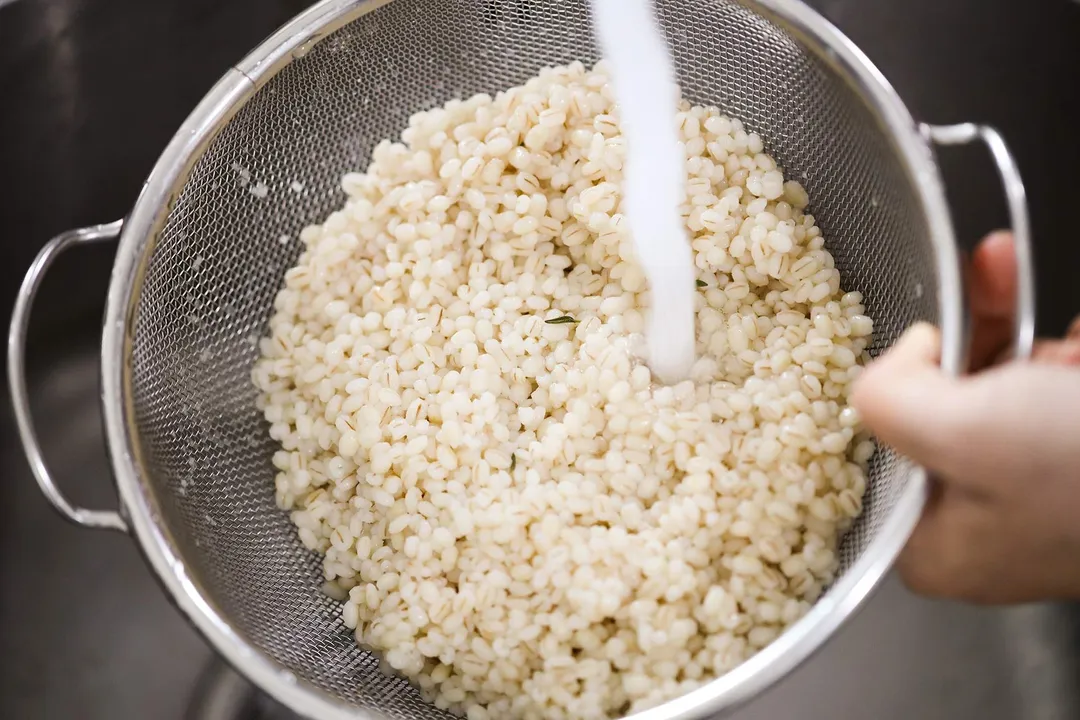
(200, 260)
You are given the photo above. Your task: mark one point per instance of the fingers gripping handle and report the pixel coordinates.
(20, 399)
(1024, 329)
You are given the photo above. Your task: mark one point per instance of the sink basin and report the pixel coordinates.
(85, 631)
(95, 638)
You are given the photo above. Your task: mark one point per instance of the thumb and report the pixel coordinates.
(909, 403)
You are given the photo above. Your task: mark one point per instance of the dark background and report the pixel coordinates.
(90, 93)
(92, 90)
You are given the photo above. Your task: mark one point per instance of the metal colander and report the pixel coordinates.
(205, 249)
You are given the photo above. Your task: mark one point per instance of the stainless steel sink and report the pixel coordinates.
(904, 658)
(92, 89)
(85, 632)
(92, 636)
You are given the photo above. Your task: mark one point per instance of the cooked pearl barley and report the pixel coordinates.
(522, 523)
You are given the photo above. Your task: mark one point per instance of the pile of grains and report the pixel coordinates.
(515, 515)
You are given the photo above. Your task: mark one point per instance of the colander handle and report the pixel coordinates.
(1016, 198)
(20, 397)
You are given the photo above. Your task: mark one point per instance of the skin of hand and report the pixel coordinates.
(1002, 522)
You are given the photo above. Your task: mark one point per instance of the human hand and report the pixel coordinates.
(1002, 523)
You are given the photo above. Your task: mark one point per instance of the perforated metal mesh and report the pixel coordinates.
(208, 287)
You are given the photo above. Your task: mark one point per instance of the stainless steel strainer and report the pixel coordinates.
(205, 248)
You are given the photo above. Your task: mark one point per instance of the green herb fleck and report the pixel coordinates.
(564, 320)
(513, 462)
(702, 283)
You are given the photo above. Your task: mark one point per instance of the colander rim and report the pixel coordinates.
(144, 222)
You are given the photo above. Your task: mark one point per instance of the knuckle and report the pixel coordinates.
(923, 576)
(944, 562)
(930, 565)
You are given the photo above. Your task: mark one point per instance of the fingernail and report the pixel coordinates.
(920, 340)
(921, 331)
(1074, 329)
(998, 237)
